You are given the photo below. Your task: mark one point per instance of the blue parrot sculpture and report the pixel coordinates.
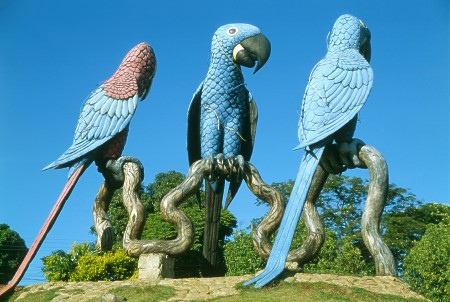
(222, 116)
(337, 88)
(101, 132)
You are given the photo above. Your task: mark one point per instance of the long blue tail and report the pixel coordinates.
(280, 249)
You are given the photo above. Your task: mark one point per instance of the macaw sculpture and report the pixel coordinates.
(101, 131)
(337, 88)
(222, 117)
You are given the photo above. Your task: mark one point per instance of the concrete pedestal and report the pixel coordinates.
(155, 266)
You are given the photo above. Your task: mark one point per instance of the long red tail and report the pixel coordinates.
(44, 230)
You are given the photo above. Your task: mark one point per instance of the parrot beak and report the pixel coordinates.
(256, 48)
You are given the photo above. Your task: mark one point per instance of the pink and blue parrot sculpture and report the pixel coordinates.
(222, 115)
(101, 131)
(337, 88)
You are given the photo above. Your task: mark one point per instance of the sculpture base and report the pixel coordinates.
(155, 266)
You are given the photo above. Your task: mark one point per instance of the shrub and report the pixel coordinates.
(12, 252)
(240, 256)
(109, 266)
(427, 267)
(60, 265)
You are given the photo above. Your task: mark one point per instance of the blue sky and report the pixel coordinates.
(54, 53)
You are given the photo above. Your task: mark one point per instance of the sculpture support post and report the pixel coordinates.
(103, 226)
(376, 200)
(354, 154)
(134, 207)
(261, 236)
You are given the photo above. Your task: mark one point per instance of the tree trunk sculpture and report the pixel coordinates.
(127, 171)
(355, 154)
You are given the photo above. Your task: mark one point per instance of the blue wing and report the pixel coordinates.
(337, 89)
(101, 119)
(193, 127)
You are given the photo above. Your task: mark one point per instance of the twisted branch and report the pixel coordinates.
(354, 154)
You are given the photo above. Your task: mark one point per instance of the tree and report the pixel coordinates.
(427, 265)
(240, 256)
(403, 226)
(12, 252)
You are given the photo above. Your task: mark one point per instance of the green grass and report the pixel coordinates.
(280, 291)
(41, 296)
(151, 293)
(309, 292)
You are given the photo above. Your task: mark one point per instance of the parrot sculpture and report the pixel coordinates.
(337, 88)
(101, 131)
(222, 116)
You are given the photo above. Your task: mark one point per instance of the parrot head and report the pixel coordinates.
(350, 32)
(140, 65)
(244, 43)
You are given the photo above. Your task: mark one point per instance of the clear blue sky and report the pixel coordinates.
(54, 53)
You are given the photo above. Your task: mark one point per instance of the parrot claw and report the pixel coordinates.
(348, 153)
(217, 163)
(235, 168)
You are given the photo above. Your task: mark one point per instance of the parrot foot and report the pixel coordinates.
(217, 167)
(348, 153)
(112, 170)
(235, 168)
(339, 157)
(231, 168)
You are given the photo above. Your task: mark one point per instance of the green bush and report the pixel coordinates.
(83, 263)
(60, 265)
(337, 256)
(12, 252)
(109, 266)
(427, 266)
(240, 256)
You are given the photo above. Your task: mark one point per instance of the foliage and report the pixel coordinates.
(106, 266)
(83, 263)
(60, 265)
(241, 257)
(403, 227)
(427, 265)
(12, 252)
(338, 256)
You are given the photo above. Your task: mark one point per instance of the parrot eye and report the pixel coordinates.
(232, 31)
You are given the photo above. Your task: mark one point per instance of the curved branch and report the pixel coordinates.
(102, 223)
(261, 236)
(171, 213)
(376, 200)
